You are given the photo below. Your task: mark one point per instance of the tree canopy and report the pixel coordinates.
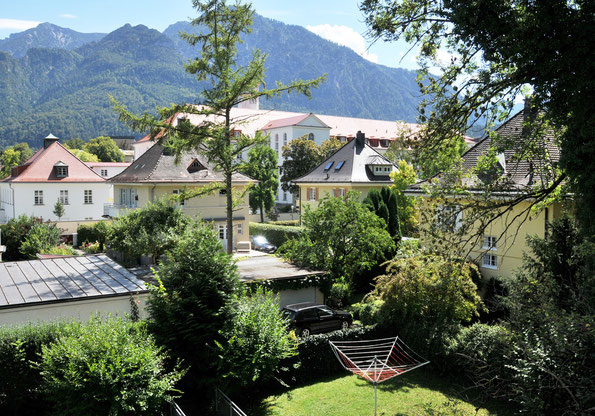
(500, 49)
(105, 149)
(262, 166)
(14, 156)
(228, 84)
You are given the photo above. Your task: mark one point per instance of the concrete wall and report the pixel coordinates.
(309, 294)
(80, 310)
(18, 199)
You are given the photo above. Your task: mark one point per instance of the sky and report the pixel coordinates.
(336, 20)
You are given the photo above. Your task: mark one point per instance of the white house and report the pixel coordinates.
(54, 174)
(108, 169)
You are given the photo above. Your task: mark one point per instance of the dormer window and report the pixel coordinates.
(382, 169)
(61, 170)
(195, 166)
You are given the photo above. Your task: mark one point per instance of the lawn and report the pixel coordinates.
(417, 393)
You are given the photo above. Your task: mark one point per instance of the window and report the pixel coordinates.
(340, 191)
(276, 143)
(103, 172)
(311, 136)
(284, 196)
(382, 170)
(324, 312)
(284, 139)
(128, 197)
(449, 217)
(222, 192)
(339, 165)
(88, 196)
(64, 197)
(489, 242)
(329, 165)
(490, 261)
(240, 229)
(38, 198)
(311, 194)
(223, 232)
(61, 171)
(180, 202)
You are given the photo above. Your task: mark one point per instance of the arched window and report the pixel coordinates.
(311, 136)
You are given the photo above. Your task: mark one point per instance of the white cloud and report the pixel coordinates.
(68, 16)
(346, 36)
(20, 25)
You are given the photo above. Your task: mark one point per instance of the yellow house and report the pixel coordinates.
(354, 167)
(155, 175)
(494, 239)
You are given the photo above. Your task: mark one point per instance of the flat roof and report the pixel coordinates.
(30, 282)
(271, 268)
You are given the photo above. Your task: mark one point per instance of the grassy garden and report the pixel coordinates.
(420, 392)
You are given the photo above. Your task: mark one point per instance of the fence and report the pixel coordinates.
(224, 406)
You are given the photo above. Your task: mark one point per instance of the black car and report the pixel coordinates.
(261, 243)
(309, 318)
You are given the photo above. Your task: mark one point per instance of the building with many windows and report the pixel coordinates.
(54, 174)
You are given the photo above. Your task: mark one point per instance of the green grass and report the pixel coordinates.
(417, 393)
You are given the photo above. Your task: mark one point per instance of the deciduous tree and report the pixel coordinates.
(105, 149)
(262, 166)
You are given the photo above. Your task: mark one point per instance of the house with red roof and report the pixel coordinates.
(53, 174)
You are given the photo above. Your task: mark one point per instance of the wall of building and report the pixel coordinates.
(308, 294)
(110, 171)
(80, 310)
(327, 190)
(19, 199)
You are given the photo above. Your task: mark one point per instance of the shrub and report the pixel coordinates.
(13, 235)
(101, 368)
(339, 294)
(276, 234)
(40, 239)
(62, 250)
(257, 339)
(291, 223)
(152, 230)
(197, 284)
(91, 248)
(97, 232)
(20, 384)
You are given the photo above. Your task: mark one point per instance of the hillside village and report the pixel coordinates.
(230, 258)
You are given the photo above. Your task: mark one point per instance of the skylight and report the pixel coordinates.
(340, 165)
(328, 165)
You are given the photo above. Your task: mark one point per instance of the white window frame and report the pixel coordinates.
(489, 261)
(61, 171)
(340, 192)
(284, 196)
(311, 194)
(490, 242)
(103, 172)
(64, 196)
(446, 220)
(284, 139)
(240, 228)
(181, 202)
(38, 197)
(222, 232)
(88, 197)
(276, 143)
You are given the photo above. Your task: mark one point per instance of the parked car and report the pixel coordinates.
(310, 318)
(261, 243)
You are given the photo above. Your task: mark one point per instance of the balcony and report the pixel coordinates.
(115, 210)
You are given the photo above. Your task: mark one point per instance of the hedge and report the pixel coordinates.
(92, 233)
(316, 360)
(20, 384)
(293, 223)
(276, 234)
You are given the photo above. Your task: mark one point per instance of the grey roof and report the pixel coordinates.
(270, 267)
(155, 165)
(517, 171)
(26, 283)
(356, 157)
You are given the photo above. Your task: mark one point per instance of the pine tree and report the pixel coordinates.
(58, 209)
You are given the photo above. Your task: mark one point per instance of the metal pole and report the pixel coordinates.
(375, 399)
(375, 386)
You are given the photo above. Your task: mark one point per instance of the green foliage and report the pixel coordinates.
(105, 149)
(41, 238)
(111, 367)
(58, 209)
(20, 384)
(14, 156)
(229, 82)
(97, 232)
(74, 143)
(13, 235)
(151, 230)
(193, 301)
(276, 234)
(256, 340)
(341, 236)
(302, 155)
(321, 281)
(262, 166)
(427, 297)
(339, 294)
(84, 156)
(292, 223)
(62, 250)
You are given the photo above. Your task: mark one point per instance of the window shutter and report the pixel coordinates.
(335, 192)
(316, 190)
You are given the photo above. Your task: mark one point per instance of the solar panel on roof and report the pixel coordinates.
(328, 165)
(340, 165)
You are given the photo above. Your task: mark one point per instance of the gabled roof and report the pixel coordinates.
(40, 167)
(515, 172)
(353, 160)
(155, 165)
(293, 121)
(27, 283)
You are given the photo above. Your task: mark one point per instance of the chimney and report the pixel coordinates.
(49, 140)
(360, 139)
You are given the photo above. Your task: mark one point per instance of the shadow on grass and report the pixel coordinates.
(424, 378)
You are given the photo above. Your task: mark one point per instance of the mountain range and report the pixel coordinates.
(54, 79)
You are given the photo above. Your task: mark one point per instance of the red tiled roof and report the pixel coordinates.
(285, 122)
(40, 168)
